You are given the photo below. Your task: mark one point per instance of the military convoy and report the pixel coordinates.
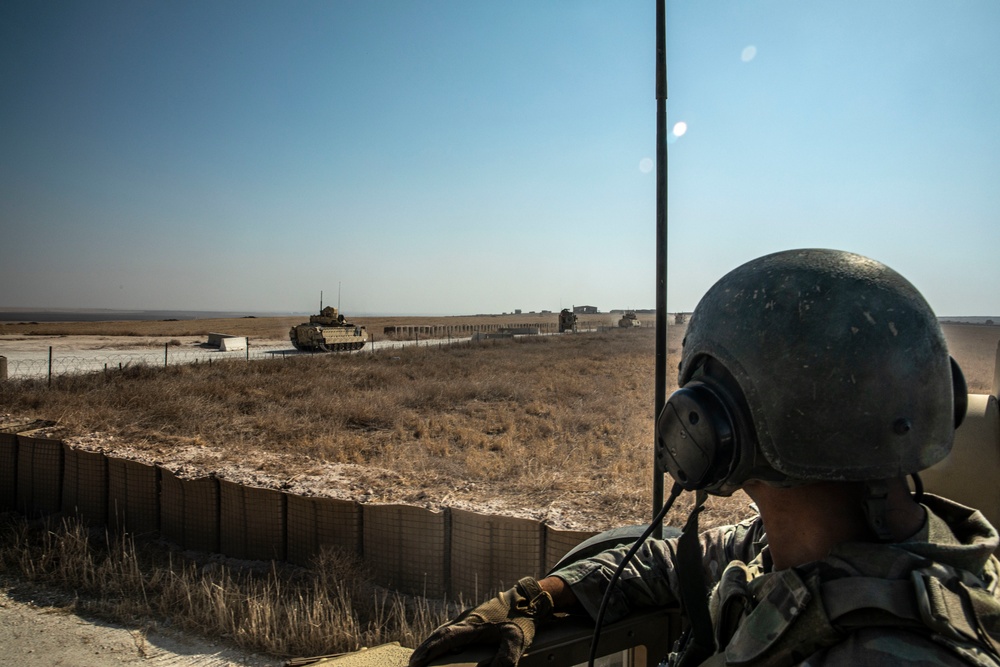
(328, 332)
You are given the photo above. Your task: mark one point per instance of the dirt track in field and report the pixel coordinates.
(37, 630)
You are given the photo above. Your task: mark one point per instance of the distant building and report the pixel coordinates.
(585, 310)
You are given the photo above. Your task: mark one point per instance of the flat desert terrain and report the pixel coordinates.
(383, 469)
(28, 622)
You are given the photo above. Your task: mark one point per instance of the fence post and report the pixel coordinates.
(247, 340)
(165, 347)
(50, 365)
(3, 368)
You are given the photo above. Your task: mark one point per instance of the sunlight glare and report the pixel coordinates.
(680, 128)
(749, 53)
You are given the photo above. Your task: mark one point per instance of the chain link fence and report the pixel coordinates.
(55, 363)
(39, 365)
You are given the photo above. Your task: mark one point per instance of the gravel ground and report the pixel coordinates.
(37, 630)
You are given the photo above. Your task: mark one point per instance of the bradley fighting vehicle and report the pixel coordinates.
(328, 332)
(629, 320)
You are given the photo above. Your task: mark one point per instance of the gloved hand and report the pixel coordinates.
(507, 621)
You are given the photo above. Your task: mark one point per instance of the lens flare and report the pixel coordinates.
(749, 53)
(646, 165)
(680, 128)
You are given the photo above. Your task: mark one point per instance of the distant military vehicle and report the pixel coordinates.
(629, 319)
(567, 320)
(328, 332)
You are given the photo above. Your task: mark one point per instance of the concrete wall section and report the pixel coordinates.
(232, 344)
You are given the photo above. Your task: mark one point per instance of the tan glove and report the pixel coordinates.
(507, 621)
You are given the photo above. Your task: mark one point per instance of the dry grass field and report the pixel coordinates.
(553, 427)
(557, 428)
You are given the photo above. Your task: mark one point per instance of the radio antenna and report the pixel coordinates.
(660, 387)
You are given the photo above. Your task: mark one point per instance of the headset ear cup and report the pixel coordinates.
(960, 390)
(695, 437)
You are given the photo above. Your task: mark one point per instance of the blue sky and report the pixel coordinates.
(435, 157)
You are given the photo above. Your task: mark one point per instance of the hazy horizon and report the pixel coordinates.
(51, 314)
(94, 314)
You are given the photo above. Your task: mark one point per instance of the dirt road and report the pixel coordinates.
(36, 630)
(29, 356)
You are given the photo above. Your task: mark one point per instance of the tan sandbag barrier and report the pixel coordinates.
(437, 553)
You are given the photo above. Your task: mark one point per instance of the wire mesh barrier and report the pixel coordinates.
(432, 552)
(56, 364)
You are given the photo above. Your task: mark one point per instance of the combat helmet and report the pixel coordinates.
(831, 365)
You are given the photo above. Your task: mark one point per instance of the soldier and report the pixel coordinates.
(817, 381)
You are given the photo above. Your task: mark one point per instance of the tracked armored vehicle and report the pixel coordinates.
(567, 320)
(629, 320)
(328, 332)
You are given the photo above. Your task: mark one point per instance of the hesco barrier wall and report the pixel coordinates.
(436, 553)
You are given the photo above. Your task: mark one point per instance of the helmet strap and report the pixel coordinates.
(876, 506)
(700, 639)
(918, 487)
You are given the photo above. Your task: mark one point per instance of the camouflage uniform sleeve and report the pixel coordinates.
(886, 646)
(650, 579)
